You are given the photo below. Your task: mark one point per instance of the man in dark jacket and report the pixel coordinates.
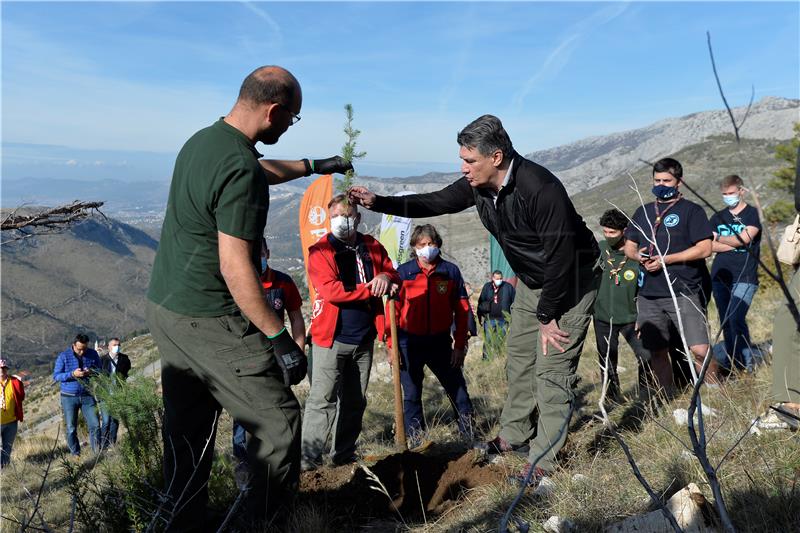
(526, 208)
(494, 304)
(74, 366)
(115, 364)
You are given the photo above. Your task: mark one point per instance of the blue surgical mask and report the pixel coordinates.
(731, 200)
(264, 265)
(498, 282)
(664, 192)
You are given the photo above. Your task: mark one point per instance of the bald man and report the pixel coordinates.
(221, 346)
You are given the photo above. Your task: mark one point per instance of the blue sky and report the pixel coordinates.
(101, 86)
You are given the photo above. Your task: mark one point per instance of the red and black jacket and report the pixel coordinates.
(431, 301)
(330, 290)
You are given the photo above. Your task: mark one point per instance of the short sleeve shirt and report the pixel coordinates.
(616, 296)
(739, 265)
(683, 225)
(218, 185)
(280, 292)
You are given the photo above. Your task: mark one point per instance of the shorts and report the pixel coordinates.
(656, 314)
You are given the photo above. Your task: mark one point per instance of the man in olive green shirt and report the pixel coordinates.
(615, 306)
(220, 345)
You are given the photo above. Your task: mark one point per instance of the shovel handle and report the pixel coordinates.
(399, 423)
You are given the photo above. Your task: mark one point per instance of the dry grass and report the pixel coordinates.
(759, 478)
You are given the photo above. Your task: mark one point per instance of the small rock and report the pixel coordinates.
(545, 488)
(681, 416)
(686, 454)
(556, 524)
(580, 478)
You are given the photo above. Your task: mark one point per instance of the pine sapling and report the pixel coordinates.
(349, 152)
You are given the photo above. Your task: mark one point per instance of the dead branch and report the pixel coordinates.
(36, 503)
(659, 503)
(698, 438)
(48, 221)
(736, 126)
(521, 525)
(778, 277)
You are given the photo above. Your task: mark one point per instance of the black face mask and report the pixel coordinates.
(614, 241)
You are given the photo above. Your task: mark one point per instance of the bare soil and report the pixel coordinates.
(415, 484)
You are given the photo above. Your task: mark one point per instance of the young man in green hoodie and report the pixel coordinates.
(615, 306)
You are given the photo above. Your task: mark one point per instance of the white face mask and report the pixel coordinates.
(428, 253)
(498, 282)
(114, 350)
(343, 227)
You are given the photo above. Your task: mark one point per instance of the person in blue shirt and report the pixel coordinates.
(734, 273)
(74, 367)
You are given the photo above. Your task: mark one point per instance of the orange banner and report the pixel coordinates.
(314, 222)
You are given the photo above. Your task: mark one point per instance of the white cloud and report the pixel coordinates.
(559, 56)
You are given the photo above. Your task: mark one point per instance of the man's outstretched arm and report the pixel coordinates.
(279, 171)
(452, 199)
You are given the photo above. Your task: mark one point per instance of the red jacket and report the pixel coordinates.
(19, 396)
(324, 275)
(432, 301)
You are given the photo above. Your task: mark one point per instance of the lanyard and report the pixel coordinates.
(660, 219)
(614, 271)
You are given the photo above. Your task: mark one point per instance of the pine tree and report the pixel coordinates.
(349, 152)
(784, 178)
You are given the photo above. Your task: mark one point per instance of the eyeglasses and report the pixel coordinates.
(295, 116)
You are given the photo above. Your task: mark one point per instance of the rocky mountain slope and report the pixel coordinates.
(595, 160)
(91, 278)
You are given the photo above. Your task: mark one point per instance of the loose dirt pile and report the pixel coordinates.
(413, 484)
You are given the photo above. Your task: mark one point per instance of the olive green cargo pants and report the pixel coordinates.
(544, 383)
(209, 364)
(786, 350)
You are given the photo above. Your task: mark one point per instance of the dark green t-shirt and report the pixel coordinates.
(618, 286)
(218, 185)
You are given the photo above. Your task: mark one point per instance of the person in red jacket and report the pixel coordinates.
(350, 272)
(432, 298)
(10, 411)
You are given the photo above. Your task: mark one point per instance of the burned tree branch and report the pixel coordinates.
(56, 217)
(736, 126)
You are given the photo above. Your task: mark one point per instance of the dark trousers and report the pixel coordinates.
(433, 351)
(239, 441)
(733, 302)
(109, 427)
(222, 362)
(607, 336)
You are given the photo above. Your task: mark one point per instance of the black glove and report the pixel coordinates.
(290, 358)
(332, 165)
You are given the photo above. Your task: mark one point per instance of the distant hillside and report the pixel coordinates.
(704, 165)
(595, 160)
(91, 278)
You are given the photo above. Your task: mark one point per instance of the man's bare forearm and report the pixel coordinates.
(298, 327)
(280, 171)
(242, 281)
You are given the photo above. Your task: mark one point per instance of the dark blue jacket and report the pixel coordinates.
(66, 363)
(505, 297)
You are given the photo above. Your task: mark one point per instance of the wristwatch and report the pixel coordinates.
(543, 318)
